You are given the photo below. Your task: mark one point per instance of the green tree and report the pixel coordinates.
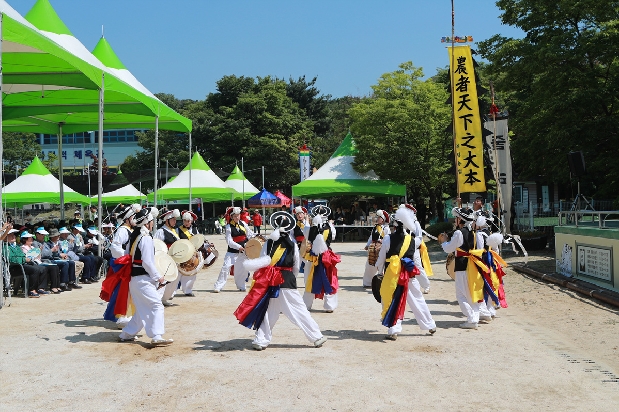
(400, 134)
(253, 119)
(19, 150)
(560, 84)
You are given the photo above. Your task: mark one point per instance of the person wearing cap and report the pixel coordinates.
(321, 272)
(92, 241)
(120, 243)
(52, 270)
(144, 283)
(300, 230)
(494, 292)
(237, 235)
(169, 234)
(53, 250)
(422, 258)
(257, 221)
(186, 231)
(274, 290)
(77, 215)
(466, 244)
(47, 256)
(75, 251)
(399, 285)
(37, 277)
(379, 231)
(245, 216)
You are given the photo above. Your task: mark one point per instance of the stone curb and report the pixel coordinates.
(584, 288)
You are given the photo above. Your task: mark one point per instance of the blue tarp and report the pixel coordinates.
(264, 198)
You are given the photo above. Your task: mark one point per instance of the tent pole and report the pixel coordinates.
(156, 156)
(100, 165)
(60, 170)
(190, 173)
(1, 143)
(243, 183)
(263, 177)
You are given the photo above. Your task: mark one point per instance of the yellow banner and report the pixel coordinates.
(467, 122)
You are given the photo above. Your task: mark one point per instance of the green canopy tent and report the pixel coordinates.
(125, 194)
(74, 109)
(37, 185)
(209, 187)
(239, 183)
(31, 62)
(337, 177)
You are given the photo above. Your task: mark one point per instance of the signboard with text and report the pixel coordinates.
(595, 262)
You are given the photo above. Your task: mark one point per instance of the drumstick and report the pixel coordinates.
(429, 235)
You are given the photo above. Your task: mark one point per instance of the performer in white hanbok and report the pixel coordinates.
(396, 257)
(237, 235)
(186, 231)
(373, 246)
(274, 289)
(145, 279)
(321, 281)
(168, 233)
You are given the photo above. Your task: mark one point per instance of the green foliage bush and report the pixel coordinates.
(439, 228)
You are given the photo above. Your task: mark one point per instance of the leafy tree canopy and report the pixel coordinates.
(560, 84)
(400, 133)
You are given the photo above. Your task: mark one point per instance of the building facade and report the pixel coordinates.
(78, 148)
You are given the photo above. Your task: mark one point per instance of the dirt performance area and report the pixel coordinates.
(551, 349)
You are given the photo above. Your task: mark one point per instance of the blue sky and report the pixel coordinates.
(183, 47)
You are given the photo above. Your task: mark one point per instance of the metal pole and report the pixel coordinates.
(453, 114)
(156, 157)
(100, 164)
(1, 143)
(263, 177)
(243, 183)
(190, 173)
(60, 170)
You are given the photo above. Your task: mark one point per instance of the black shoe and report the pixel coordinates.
(74, 285)
(94, 280)
(86, 281)
(65, 288)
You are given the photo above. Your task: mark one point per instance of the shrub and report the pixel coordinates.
(439, 228)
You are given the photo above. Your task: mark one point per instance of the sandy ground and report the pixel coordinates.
(550, 350)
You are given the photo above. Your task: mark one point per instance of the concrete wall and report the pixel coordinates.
(590, 254)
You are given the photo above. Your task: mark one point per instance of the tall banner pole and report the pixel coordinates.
(1, 143)
(190, 173)
(453, 117)
(100, 164)
(156, 156)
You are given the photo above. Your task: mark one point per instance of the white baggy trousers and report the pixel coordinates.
(418, 305)
(289, 303)
(148, 309)
(469, 308)
(240, 274)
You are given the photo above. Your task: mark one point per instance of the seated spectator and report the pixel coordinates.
(51, 251)
(53, 271)
(37, 279)
(75, 251)
(92, 248)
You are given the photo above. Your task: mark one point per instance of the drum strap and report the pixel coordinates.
(186, 232)
(171, 230)
(380, 231)
(134, 247)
